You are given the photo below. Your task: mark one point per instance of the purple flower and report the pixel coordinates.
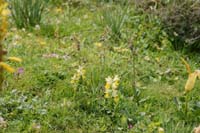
(130, 126)
(20, 71)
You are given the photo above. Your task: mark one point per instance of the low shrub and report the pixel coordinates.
(180, 19)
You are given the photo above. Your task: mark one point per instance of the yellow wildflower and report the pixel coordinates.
(115, 85)
(74, 79)
(109, 80)
(42, 43)
(160, 130)
(80, 73)
(58, 10)
(116, 99)
(98, 44)
(3, 28)
(107, 95)
(111, 88)
(5, 12)
(7, 67)
(198, 73)
(147, 58)
(114, 93)
(15, 59)
(157, 59)
(186, 65)
(107, 86)
(120, 49)
(115, 82)
(191, 78)
(190, 82)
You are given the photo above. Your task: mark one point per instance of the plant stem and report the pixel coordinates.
(186, 105)
(1, 69)
(134, 55)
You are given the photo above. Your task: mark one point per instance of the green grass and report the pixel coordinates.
(42, 99)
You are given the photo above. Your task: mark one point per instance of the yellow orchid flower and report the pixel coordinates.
(80, 74)
(116, 99)
(186, 65)
(107, 95)
(191, 77)
(16, 59)
(7, 67)
(107, 86)
(3, 19)
(115, 82)
(190, 82)
(161, 130)
(5, 12)
(111, 88)
(98, 44)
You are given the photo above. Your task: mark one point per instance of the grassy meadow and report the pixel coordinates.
(93, 66)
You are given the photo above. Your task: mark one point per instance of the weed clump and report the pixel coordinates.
(27, 13)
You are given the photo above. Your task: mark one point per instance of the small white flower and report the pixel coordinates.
(37, 27)
(116, 78)
(109, 80)
(160, 130)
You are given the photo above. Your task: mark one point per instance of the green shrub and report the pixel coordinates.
(180, 19)
(147, 32)
(27, 13)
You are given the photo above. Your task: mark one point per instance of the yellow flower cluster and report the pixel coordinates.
(16, 59)
(111, 87)
(80, 74)
(192, 76)
(4, 12)
(58, 10)
(98, 44)
(120, 49)
(8, 67)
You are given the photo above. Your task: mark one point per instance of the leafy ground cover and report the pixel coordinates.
(86, 71)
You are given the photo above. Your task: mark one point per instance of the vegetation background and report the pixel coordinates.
(102, 66)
